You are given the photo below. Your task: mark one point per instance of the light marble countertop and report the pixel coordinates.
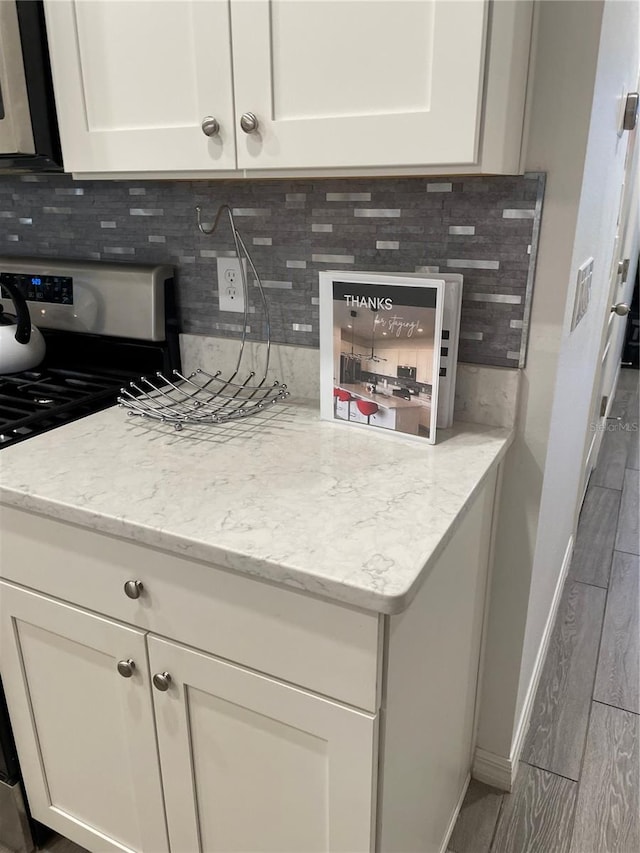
(347, 513)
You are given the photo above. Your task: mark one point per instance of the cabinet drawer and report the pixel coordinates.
(328, 648)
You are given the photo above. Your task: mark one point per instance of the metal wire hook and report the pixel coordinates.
(221, 209)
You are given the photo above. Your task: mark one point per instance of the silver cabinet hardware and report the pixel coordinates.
(161, 681)
(621, 309)
(623, 270)
(210, 126)
(631, 111)
(603, 406)
(248, 122)
(126, 667)
(132, 589)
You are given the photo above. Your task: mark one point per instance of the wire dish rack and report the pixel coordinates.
(201, 397)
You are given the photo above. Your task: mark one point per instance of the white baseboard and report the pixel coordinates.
(492, 769)
(454, 816)
(527, 708)
(497, 770)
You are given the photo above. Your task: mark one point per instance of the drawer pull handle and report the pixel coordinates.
(132, 589)
(126, 667)
(161, 681)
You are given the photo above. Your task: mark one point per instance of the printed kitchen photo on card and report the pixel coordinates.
(380, 348)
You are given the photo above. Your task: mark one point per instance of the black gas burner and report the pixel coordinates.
(36, 401)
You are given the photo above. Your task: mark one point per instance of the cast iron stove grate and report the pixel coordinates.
(35, 401)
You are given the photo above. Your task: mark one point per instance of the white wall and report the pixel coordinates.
(580, 350)
(580, 155)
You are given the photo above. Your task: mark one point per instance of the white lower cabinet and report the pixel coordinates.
(175, 707)
(343, 409)
(242, 763)
(85, 735)
(250, 763)
(384, 418)
(355, 414)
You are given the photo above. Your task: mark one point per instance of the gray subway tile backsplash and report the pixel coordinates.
(484, 227)
(511, 298)
(146, 211)
(321, 258)
(348, 196)
(377, 213)
(518, 213)
(477, 264)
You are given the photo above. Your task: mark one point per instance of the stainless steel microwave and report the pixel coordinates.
(29, 139)
(406, 372)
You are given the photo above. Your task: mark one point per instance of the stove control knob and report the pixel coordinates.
(132, 589)
(161, 681)
(126, 667)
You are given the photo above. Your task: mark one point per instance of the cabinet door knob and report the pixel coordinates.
(210, 126)
(126, 667)
(248, 122)
(132, 589)
(161, 681)
(621, 309)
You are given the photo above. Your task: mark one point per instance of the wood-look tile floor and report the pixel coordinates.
(578, 785)
(57, 844)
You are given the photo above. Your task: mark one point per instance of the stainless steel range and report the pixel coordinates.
(104, 324)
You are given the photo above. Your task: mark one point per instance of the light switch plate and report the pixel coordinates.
(583, 292)
(230, 290)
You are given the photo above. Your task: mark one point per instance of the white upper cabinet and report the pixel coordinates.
(347, 83)
(134, 81)
(295, 86)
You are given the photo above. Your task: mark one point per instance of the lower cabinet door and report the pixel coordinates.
(252, 764)
(355, 414)
(384, 418)
(85, 734)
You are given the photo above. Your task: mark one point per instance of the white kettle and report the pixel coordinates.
(21, 344)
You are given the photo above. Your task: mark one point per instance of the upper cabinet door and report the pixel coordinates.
(134, 81)
(346, 83)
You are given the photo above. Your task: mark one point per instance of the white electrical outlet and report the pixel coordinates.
(583, 292)
(230, 290)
